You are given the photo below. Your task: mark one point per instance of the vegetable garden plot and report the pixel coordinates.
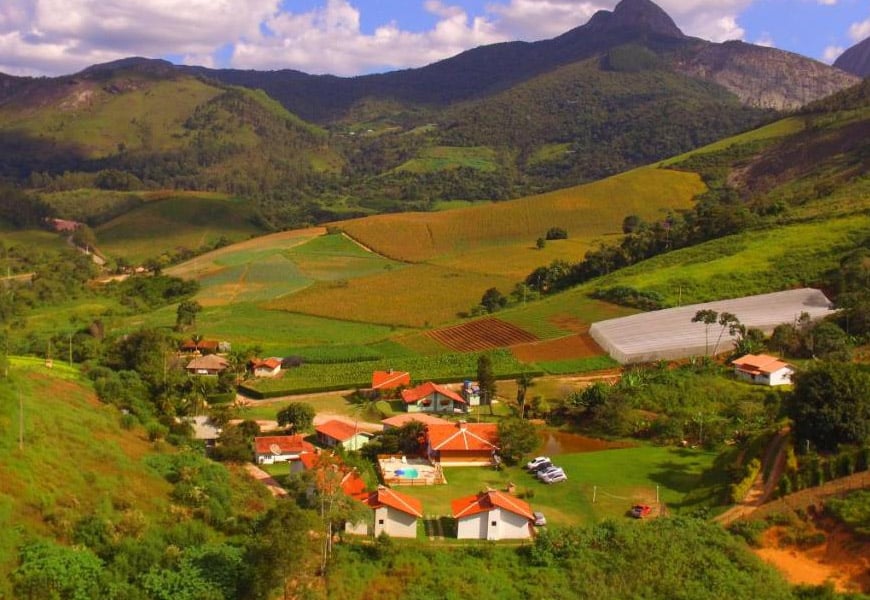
(481, 335)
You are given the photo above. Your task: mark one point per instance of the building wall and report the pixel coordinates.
(473, 527)
(467, 458)
(364, 527)
(511, 526)
(395, 523)
(781, 377)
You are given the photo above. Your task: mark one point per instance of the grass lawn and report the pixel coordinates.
(622, 476)
(323, 403)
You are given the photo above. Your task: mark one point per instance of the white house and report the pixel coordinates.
(210, 364)
(431, 397)
(392, 513)
(492, 515)
(763, 369)
(339, 433)
(269, 367)
(271, 449)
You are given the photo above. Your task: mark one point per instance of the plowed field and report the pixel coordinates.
(572, 346)
(481, 335)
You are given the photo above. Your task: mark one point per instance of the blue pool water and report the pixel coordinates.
(407, 473)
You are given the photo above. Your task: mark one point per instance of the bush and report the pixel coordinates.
(556, 233)
(739, 490)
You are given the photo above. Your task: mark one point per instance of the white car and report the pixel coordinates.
(540, 519)
(536, 462)
(556, 477)
(550, 472)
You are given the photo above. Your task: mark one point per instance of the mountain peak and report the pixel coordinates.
(643, 15)
(856, 60)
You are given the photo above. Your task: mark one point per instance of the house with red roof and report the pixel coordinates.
(431, 397)
(201, 346)
(492, 515)
(271, 449)
(341, 433)
(390, 380)
(269, 367)
(399, 421)
(763, 369)
(462, 444)
(392, 513)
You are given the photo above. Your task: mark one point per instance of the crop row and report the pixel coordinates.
(327, 377)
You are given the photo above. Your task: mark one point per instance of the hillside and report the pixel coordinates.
(856, 60)
(76, 461)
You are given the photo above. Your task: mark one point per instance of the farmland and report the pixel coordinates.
(178, 221)
(439, 158)
(481, 334)
(586, 212)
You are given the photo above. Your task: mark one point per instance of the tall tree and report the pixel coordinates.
(516, 438)
(185, 315)
(523, 383)
(707, 317)
(299, 415)
(486, 378)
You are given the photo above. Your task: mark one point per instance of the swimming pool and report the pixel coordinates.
(407, 473)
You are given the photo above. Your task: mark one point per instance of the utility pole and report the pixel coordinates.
(70, 349)
(20, 421)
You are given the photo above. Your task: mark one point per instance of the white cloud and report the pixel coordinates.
(831, 53)
(765, 40)
(827, 2)
(860, 31)
(329, 40)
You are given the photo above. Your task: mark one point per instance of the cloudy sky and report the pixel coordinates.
(350, 37)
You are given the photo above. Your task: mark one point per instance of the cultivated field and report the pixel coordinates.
(481, 334)
(443, 158)
(586, 212)
(418, 296)
(579, 345)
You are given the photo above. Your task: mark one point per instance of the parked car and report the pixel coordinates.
(639, 511)
(540, 519)
(542, 467)
(533, 464)
(556, 477)
(549, 472)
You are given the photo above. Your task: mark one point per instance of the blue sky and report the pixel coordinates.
(350, 37)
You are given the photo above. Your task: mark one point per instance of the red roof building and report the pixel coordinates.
(341, 433)
(431, 397)
(392, 513)
(280, 448)
(269, 367)
(390, 380)
(462, 444)
(492, 515)
(763, 369)
(401, 420)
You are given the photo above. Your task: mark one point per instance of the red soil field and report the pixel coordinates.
(579, 345)
(481, 335)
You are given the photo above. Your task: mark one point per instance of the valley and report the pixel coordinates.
(213, 272)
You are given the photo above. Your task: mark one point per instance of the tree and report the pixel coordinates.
(830, 404)
(523, 383)
(282, 543)
(707, 317)
(540, 243)
(517, 437)
(486, 378)
(556, 233)
(829, 341)
(185, 315)
(48, 570)
(631, 224)
(493, 300)
(299, 415)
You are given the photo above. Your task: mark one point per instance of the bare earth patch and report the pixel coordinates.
(572, 346)
(842, 559)
(481, 335)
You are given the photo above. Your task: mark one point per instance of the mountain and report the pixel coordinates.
(760, 77)
(856, 60)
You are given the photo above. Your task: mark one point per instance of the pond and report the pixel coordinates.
(560, 442)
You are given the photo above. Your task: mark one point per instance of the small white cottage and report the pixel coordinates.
(492, 515)
(763, 369)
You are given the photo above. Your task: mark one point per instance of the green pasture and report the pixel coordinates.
(32, 238)
(577, 365)
(753, 262)
(617, 478)
(85, 204)
(443, 158)
(178, 221)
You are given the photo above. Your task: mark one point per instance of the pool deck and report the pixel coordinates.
(427, 473)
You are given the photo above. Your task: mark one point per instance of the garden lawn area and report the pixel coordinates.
(331, 403)
(622, 476)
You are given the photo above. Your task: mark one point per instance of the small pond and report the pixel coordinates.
(560, 442)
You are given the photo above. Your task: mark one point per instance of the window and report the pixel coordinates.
(380, 521)
(494, 523)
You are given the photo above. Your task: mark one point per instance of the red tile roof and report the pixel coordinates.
(405, 418)
(464, 436)
(282, 444)
(210, 345)
(338, 430)
(389, 380)
(759, 363)
(427, 389)
(487, 501)
(384, 496)
(269, 363)
(352, 484)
